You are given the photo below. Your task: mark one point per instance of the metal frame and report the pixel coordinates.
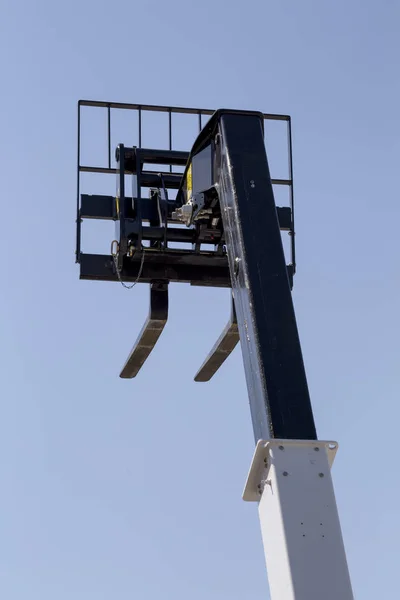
(152, 177)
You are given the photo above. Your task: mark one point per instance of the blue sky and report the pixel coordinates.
(133, 489)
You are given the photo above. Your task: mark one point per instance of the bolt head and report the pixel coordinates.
(236, 266)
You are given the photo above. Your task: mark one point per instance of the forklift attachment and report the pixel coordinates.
(206, 215)
(217, 224)
(151, 331)
(223, 347)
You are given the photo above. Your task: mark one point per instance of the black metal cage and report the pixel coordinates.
(209, 272)
(212, 217)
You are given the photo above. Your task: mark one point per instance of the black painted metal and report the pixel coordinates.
(103, 208)
(109, 135)
(158, 157)
(223, 347)
(121, 232)
(292, 231)
(177, 266)
(152, 329)
(149, 178)
(78, 181)
(235, 171)
(139, 202)
(276, 380)
(166, 109)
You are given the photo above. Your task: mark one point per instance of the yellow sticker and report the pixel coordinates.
(117, 205)
(189, 183)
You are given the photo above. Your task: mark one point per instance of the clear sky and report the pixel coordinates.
(132, 489)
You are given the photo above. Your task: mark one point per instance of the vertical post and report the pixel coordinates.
(139, 198)
(291, 192)
(170, 134)
(109, 135)
(300, 525)
(78, 179)
(279, 398)
(140, 126)
(120, 196)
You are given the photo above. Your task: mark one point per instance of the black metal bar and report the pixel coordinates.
(200, 127)
(170, 135)
(177, 267)
(139, 203)
(140, 125)
(156, 156)
(149, 178)
(163, 206)
(151, 331)
(284, 218)
(174, 109)
(109, 135)
(103, 208)
(224, 346)
(276, 380)
(177, 235)
(78, 178)
(291, 192)
(121, 204)
(173, 179)
(98, 207)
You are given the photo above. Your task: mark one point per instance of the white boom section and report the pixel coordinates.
(300, 526)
